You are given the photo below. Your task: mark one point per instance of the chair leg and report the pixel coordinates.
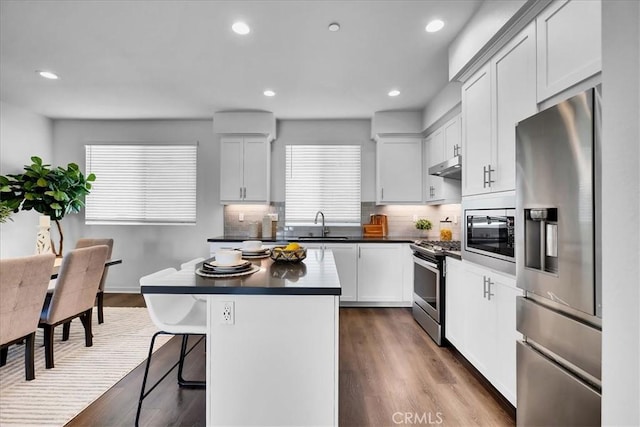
(29, 357)
(181, 381)
(48, 346)
(100, 298)
(3, 356)
(66, 328)
(144, 378)
(85, 318)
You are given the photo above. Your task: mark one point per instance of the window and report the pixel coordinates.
(141, 183)
(322, 177)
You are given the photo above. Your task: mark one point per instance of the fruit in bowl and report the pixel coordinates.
(292, 252)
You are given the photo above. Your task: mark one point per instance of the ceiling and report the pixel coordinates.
(180, 59)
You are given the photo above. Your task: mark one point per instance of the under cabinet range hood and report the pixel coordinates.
(451, 168)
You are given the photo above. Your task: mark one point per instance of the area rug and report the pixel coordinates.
(81, 374)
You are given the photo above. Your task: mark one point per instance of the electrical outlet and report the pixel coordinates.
(241, 216)
(227, 314)
(415, 217)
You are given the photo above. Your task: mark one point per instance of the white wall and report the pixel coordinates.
(22, 134)
(291, 132)
(621, 208)
(482, 26)
(447, 101)
(146, 248)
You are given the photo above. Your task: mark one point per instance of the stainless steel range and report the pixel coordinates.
(429, 273)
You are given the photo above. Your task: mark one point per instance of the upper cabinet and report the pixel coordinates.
(494, 100)
(244, 169)
(569, 45)
(399, 169)
(442, 144)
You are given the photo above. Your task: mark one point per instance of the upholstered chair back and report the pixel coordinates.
(77, 284)
(23, 286)
(87, 242)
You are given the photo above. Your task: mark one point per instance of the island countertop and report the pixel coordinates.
(316, 275)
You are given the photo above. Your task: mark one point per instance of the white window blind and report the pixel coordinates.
(322, 177)
(141, 183)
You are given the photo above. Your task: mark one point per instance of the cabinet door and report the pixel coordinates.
(514, 82)
(346, 257)
(256, 169)
(476, 132)
(504, 369)
(399, 170)
(231, 168)
(480, 321)
(569, 45)
(380, 272)
(455, 302)
(433, 154)
(452, 131)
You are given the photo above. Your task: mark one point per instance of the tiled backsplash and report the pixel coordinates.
(400, 219)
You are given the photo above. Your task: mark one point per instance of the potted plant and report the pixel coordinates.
(53, 192)
(423, 224)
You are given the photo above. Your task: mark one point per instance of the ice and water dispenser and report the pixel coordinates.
(541, 239)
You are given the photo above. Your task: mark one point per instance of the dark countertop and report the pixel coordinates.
(316, 275)
(334, 239)
(454, 254)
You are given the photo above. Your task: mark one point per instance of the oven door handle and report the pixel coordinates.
(426, 264)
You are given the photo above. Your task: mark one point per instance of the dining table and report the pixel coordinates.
(58, 263)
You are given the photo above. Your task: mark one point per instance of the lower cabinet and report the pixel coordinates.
(380, 277)
(346, 257)
(481, 321)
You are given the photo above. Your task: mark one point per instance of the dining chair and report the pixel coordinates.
(173, 315)
(73, 295)
(85, 243)
(23, 287)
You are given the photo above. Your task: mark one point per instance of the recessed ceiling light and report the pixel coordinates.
(240, 28)
(269, 92)
(394, 92)
(334, 26)
(435, 25)
(48, 75)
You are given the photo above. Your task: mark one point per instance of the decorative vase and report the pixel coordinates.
(43, 239)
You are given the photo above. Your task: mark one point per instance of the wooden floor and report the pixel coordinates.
(391, 373)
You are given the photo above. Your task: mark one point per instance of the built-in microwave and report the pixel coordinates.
(489, 236)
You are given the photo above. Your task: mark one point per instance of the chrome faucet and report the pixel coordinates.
(325, 231)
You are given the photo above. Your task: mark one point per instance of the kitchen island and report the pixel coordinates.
(273, 360)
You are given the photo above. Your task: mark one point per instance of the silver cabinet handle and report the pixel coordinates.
(382, 193)
(489, 171)
(244, 192)
(359, 252)
(241, 193)
(484, 177)
(487, 288)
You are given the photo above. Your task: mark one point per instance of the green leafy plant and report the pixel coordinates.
(423, 224)
(53, 192)
(5, 213)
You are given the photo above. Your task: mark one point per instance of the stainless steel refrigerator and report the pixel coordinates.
(557, 264)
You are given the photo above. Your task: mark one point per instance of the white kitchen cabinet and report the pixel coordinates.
(455, 302)
(452, 131)
(346, 257)
(399, 170)
(380, 272)
(244, 169)
(481, 321)
(494, 100)
(442, 144)
(569, 45)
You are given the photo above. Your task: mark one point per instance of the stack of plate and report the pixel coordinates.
(255, 253)
(214, 269)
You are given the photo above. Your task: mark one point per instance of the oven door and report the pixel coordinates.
(426, 287)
